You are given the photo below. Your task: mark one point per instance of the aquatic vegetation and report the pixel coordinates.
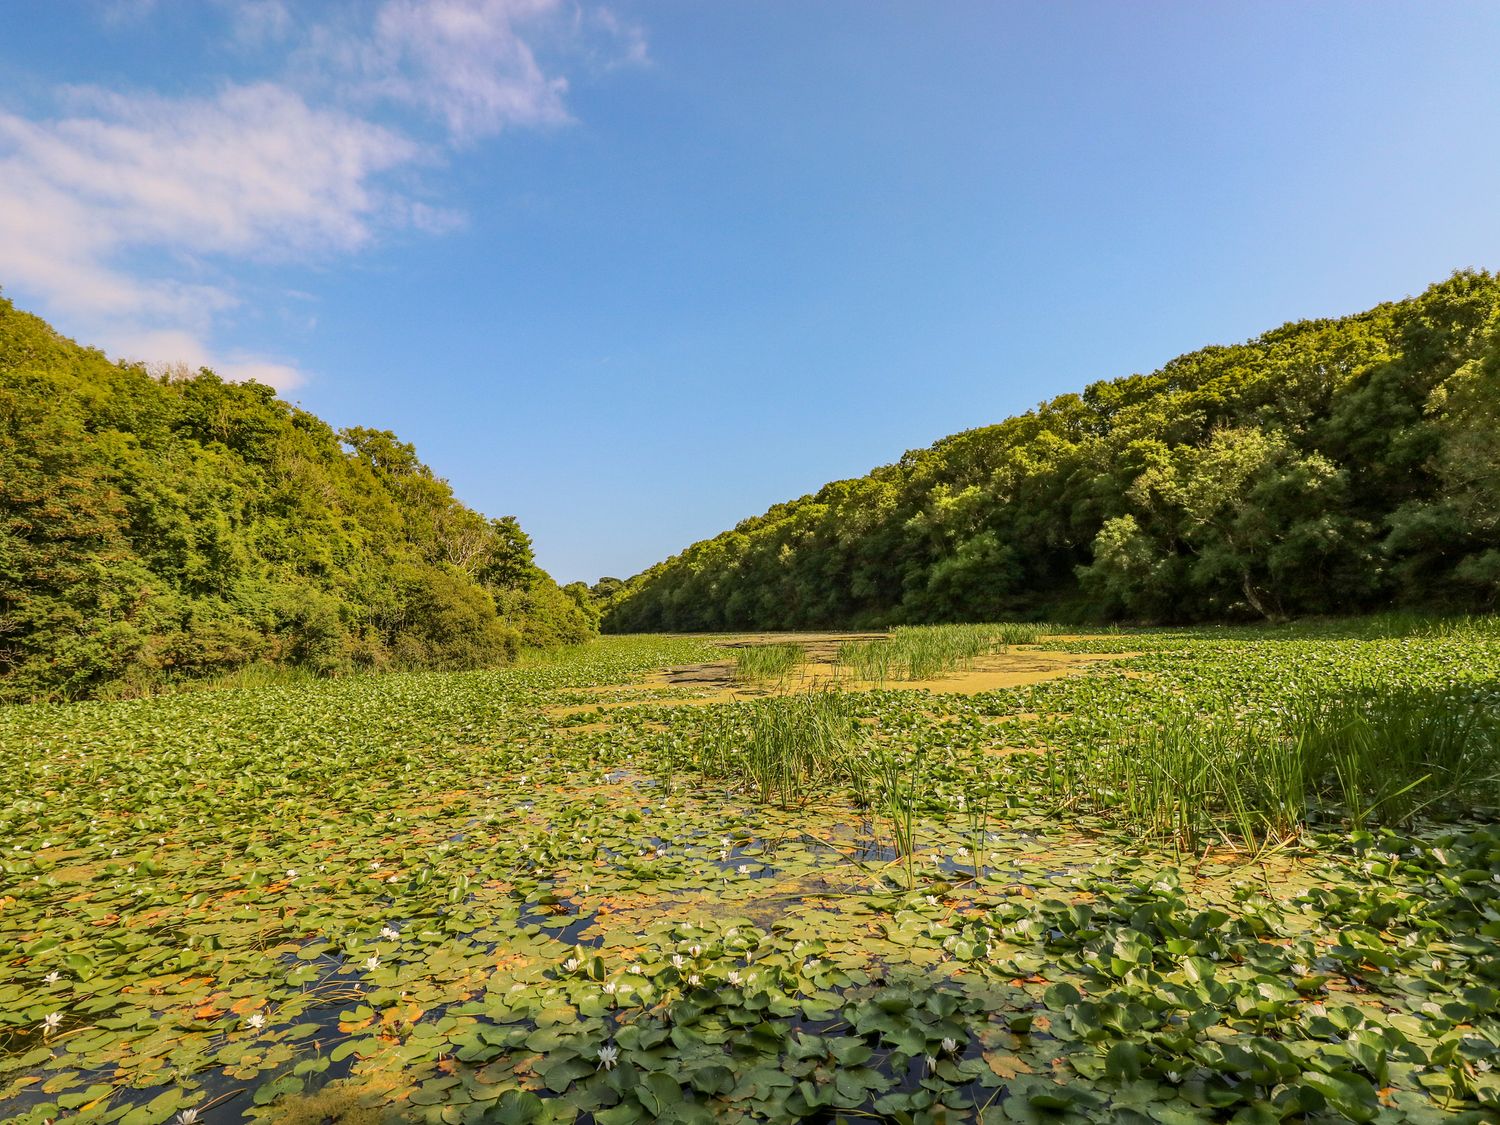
(1365, 756)
(1198, 884)
(787, 748)
(758, 664)
(922, 652)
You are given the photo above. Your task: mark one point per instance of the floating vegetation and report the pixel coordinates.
(1240, 876)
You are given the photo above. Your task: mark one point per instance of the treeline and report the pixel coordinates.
(1329, 466)
(160, 528)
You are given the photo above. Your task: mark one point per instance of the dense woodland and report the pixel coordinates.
(1328, 466)
(157, 528)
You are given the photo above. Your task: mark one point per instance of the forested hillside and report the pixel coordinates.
(153, 529)
(1328, 466)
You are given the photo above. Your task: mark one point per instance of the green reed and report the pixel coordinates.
(785, 749)
(759, 664)
(923, 652)
(1375, 756)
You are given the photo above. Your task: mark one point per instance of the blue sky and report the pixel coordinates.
(636, 271)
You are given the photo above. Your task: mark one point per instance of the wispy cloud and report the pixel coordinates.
(268, 171)
(465, 61)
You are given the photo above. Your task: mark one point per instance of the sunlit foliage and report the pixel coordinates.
(161, 528)
(1328, 466)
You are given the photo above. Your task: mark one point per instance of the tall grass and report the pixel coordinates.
(922, 652)
(791, 747)
(1375, 757)
(759, 664)
(902, 780)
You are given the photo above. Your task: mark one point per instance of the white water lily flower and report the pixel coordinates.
(733, 978)
(390, 933)
(695, 950)
(931, 1062)
(51, 1022)
(932, 900)
(52, 978)
(608, 1056)
(291, 874)
(1173, 1077)
(1300, 970)
(610, 988)
(677, 961)
(962, 853)
(950, 1045)
(637, 970)
(256, 1021)
(186, 1117)
(372, 962)
(572, 964)
(743, 869)
(693, 978)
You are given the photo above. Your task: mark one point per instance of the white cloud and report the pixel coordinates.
(466, 62)
(270, 171)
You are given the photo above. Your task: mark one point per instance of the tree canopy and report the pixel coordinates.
(1327, 466)
(154, 528)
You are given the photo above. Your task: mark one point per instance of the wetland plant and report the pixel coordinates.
(1378, 756)
(902, 777)
(759, 664)
(801, 741)
(786, 748)
(922, 652)
(1388, 756)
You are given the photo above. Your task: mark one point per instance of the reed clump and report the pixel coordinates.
(924, 652)
(1370, 757)
(762, 664)
(788, 748)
